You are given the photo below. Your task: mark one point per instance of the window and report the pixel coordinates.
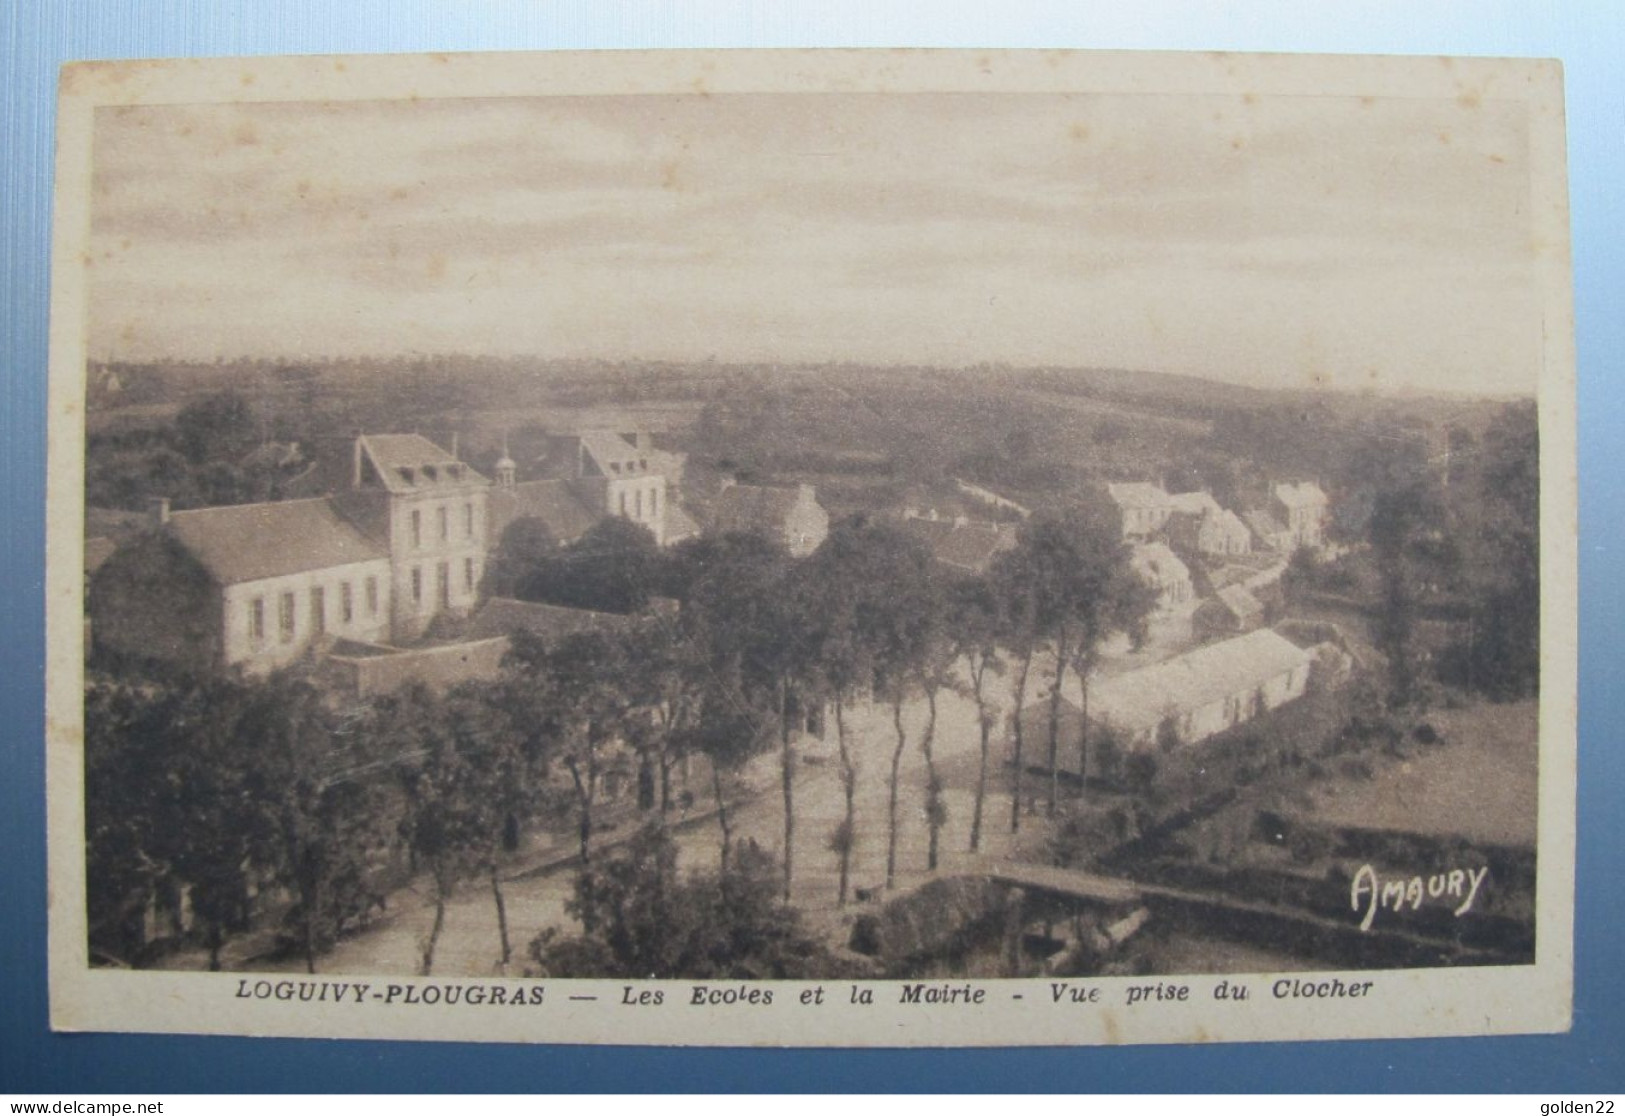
(445, 523)
(256, 619)
(654, 503)
(284, 617)
(346, 602)
(443, 584)
(623, 501)
(637, 498)
(417, 527)
(318, 610)
(417, 585)
(372, 596)
(468, 520)
(468, 574)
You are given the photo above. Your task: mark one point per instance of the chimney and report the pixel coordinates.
(159, 507)
(454, 456)
(355, 478)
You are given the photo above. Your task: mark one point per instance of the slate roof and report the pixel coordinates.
(749, 507)
(1157, 564)
(1265, 526)
(1192, 503)
(249, 542)
(612, 454)
(1141, 698)
(551, 501)
(115, 523)
(502, 616)
(411, 463)
(1137, 494)
(1304, 495)
(679, 524)
(1239, 601)
(97, 551)
(1228, 522)
(969, 546)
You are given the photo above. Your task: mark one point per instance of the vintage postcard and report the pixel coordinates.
(824, 548)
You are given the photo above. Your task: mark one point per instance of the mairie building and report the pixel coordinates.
(373, 565)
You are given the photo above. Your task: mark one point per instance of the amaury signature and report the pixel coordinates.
(1371, 893)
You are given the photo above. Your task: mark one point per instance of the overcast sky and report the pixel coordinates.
(1345, 241)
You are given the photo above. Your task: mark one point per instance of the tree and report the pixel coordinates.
(728, 734)
(464, 781)
(614, 567)
(589, 708)
(125, 726)
(668, 677)
(838, 576)
(901, 627)
(217, 427)
(1012, 579)
(1499, 521)
(211, 843)
(642, 919)
(1050, 555)
(1407, 537)
(1105, 597)
(974, 621)
(1082, 590)
(750, 607)
(320, 797)
(521, 557)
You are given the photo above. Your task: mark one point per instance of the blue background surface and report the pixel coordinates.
(37, 35)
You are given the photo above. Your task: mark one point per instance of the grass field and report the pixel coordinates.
(1479, 784)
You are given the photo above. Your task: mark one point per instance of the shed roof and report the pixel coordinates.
(1264, 525)
(1227, 521)
(611, 453)
(551, 501)
(1140, 699)
(411, 463)
(1239, 601)
(679, 525)
(1158, 564)
(1193, 503)
(1304, 494)
(970, 546)
(1137, 494)
(249, 542)
(502, 616)
(97, 551)
(749, 507)
(115, 523)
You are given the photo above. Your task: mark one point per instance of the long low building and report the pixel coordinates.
(1189, 697)
(1202, 692)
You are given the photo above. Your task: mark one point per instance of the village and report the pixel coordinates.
(1013, 795)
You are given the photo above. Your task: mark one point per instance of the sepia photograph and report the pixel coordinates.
(789, 548)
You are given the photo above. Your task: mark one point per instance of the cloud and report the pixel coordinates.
(1209, 234)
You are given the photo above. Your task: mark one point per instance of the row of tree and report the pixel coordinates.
(226, 787)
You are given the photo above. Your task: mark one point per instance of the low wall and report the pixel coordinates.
(439, 667)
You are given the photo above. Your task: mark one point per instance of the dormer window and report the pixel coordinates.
(407, 474)
(429, 473)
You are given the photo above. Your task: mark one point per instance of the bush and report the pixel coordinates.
(641, 919)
